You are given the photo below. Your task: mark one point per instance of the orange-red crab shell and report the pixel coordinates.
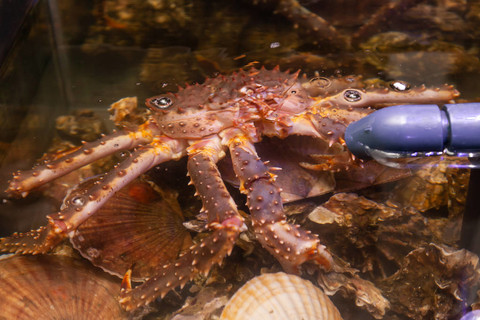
(204, 122)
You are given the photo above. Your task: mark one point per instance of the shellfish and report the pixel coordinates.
(56, 287)
(204, 122)
(137, 226)
(280, 296)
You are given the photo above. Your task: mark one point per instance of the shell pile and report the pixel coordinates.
(56, 287)
(280, 296)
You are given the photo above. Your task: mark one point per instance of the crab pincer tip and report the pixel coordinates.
(127, 281)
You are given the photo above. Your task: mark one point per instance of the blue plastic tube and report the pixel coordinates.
(411, 129)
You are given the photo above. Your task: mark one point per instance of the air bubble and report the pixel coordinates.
(78, 201)
(161, 102)
(352, 95)
(400, 86)
(321, 82)
(122, 154)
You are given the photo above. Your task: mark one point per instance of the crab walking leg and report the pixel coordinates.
(223, 219)
(360, 98)
(309, 22)
(376, 23)
(289, 244)
(25, 181)
(82, 202)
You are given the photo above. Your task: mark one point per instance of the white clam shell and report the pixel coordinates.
(280, 296)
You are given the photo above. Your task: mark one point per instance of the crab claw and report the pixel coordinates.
(289, 244)
(127, 281)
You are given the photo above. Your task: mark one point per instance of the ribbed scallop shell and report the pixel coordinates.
(56, 287)
(280, 296)
(136, 228)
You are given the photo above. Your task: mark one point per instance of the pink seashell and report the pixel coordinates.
(56, 287)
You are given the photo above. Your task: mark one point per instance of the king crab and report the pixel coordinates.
(201, 122)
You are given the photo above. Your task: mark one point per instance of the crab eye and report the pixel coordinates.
(122, 154)
(352, 95)
(78, 201)
(161, 102)
(400, 85)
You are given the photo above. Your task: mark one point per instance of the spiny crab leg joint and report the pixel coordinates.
(203, 122)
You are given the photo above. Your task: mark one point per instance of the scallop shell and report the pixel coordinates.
(137, 227)
(56, 287)
(280, 296)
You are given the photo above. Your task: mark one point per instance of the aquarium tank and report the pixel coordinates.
(195, 159)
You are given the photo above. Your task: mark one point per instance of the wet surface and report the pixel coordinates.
(382, 235)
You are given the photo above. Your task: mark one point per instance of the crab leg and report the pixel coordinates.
(309, 22)
(330, 116)
(223, 219)
(23, 182)
(289, 244)
(84, 201)
(362, 98)
(383, 17)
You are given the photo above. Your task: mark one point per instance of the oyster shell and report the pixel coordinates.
(280, 296)
(434, 282)
(56, 287)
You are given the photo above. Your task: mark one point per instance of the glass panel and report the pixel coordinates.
(393, 243)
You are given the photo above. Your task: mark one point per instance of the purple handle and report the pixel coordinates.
(417, 128)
